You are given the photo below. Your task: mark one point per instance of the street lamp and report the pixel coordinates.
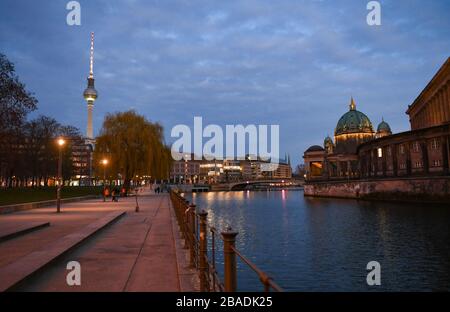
(104, 163)
(61, 142)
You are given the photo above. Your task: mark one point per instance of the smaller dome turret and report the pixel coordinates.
(328, 145)
(314, 148)
(383, 129)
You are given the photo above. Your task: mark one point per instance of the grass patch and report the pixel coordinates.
(29, 195)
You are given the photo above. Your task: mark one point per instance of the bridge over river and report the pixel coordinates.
(267, 184)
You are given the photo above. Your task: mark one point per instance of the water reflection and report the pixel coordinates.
(317, 244)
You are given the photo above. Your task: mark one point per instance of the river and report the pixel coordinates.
(317, 244)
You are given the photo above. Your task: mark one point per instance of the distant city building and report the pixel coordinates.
(185, 171)
(81, 162)
(227, 171)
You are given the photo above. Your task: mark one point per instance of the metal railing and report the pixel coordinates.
(194, 231)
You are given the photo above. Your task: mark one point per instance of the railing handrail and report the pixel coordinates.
(188, 219)
(265, 279)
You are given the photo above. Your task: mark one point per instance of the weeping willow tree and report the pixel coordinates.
(133, 146)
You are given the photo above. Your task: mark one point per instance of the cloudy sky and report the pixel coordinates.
(293, 63)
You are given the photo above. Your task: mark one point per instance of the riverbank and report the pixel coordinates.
(417, 189)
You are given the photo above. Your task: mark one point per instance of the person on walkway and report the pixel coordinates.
(105, 193)
(115, 195)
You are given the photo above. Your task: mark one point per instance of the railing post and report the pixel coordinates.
(230, 270)
(203, 267)
(186, 215)
(191, 233)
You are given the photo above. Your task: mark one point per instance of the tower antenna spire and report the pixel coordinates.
(90, 94)
(91, 59)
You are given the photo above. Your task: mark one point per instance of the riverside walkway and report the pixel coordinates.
(117, 248)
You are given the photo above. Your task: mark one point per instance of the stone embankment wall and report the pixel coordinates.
(435, 189)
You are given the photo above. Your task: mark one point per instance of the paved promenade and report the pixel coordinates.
(135, 252)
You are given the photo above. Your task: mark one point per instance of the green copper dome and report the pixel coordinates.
(384, 127)
(354, 122)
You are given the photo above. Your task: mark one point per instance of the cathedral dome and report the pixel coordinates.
(353, 122)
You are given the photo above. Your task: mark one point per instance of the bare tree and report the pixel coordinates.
(15, 103)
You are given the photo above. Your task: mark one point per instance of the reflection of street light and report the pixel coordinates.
(61, 142)
(104, 163)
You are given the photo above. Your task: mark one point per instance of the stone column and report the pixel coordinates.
(408, 158)
(375, 161)
(325, 167)
(442, 106)
(445, 153)
(433, 105)
(394, 159)
(439, 108)
(384, 161)
(426, 162)
(447, 102)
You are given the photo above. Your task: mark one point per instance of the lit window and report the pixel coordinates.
(435, 144)
(402, 149)
(416, 147)
(380, 152)
(437, 163)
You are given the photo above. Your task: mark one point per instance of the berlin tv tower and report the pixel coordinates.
(90, 94)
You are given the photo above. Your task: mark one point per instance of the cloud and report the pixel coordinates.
(293, 63)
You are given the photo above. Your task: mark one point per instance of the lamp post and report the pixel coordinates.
(61, 142)
(104, 163)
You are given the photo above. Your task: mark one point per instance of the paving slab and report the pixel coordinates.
(139, 252)
(15, 230)
(24, 267)
(74, 216)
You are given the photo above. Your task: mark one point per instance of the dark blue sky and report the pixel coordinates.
(293, 63)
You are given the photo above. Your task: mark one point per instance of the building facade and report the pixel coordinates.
(204, 171)
(431, 108)
(412, 163)
(82, 155)
(338, 158)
